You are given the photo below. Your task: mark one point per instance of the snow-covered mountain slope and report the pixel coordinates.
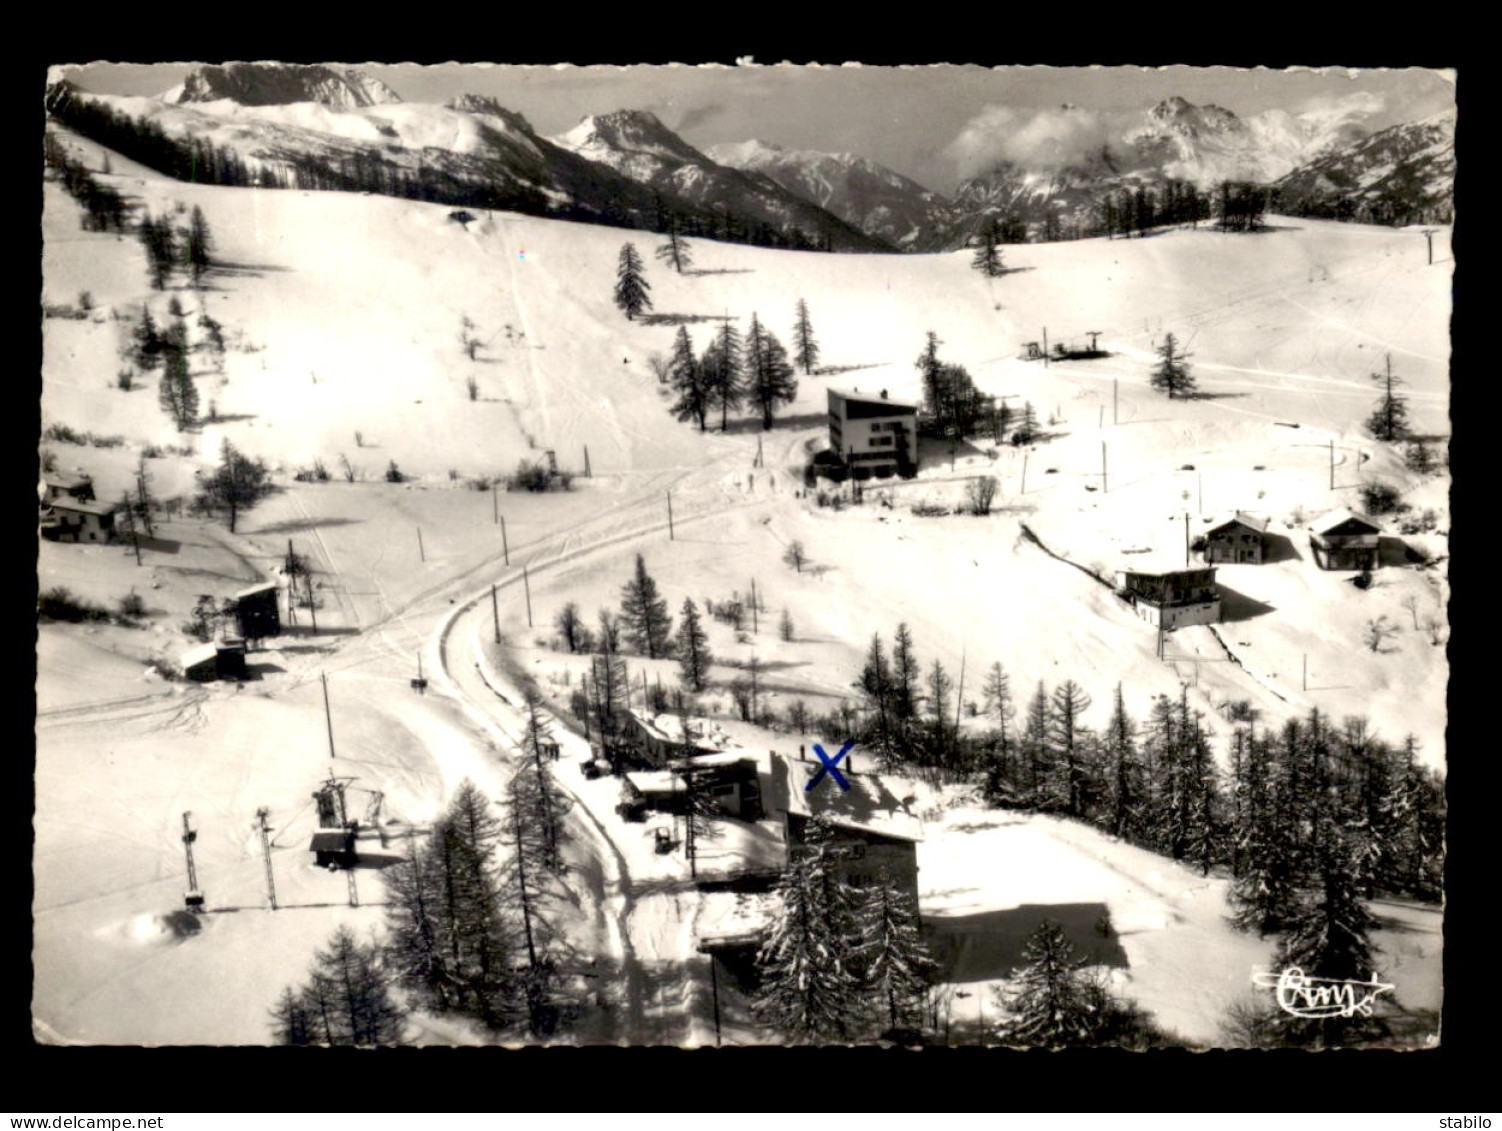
(638, 145)
(1403, 175)
(277, 84)
(1175, 140)
(343, 318)
(864, 194)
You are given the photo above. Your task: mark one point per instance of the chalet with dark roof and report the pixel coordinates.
(1241, 539)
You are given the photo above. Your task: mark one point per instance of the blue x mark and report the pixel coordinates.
(829, 767)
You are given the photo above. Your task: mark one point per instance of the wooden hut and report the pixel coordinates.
(1240, 539)
(1344, 539)
(256, 611)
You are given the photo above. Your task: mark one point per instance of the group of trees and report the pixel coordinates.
(1310, 819)
(151, 348)
(168, 249)
(104, 209)
(952, 406)
(471, 915)
(841, 960)
(236, 484)
(733, 372)
(347, 999)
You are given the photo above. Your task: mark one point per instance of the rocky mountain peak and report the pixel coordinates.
(277, 84)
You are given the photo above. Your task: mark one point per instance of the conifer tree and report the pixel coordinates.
(544, 804)
(631, 286)
(809, 992)
(1068, 703)
(676, 250)
(527, 889)
(644, 614)
(904, 699)
(466, 841)
(176, 391)
(1037, 754)
(416, 929)
(876, 685)
(890, 958)
(694, 656)
(689, 381)
(939, 687)
(161, 250)
(146, 348)
(346, 1002)
(997, 695)
(1126, 790)
(1053, 1003)
(1172, 374)
(805, 345)
(723, 372)
(1264, 893)
(1330, 937)
(988, 259)
(769, 376)
(1389, 421)
(198, 245)
(236, 484)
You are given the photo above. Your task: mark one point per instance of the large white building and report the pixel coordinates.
(872, 433)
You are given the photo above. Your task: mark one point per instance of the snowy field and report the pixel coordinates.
(344, 315)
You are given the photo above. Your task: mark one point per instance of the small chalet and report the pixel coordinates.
(76, 486)
(731, 779)
(224, 659)
(334, 848)
(256, 611)
(650, 791)
(66, 519)
(659, 739)
(1171, 598)
(876, 836)
(1240, 538)
(873, 434)
(1344, 539)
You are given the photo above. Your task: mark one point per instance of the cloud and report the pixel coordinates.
(1039, 139)
(1335, 110)
(697, 116)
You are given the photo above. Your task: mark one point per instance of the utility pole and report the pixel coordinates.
(312, 605)
(266, 855)
(421, 552)
(1115, 398)
(1186, 539)
(1045, 347)
(1103, 481)
(495, 614)
(1429, 238)
(505, 547)
(714, 984)
(586, 462)
(754, 626)
(354, 891)
(670, 515)
(291, 586)
(192, 897)
(1332, 463)
(327, 715)
(527, 588)
(1024, 471)
(145, 500)
(130, 521)
(495, 505)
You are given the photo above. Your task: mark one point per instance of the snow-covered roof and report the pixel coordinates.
(654, 781)
(1249, 521)
(67, 480)
(667, 727)
(254, 589)
(195, 656)
(733, 916)
(874, 396)
(78, 507)
(1328, 522)
(868, 806)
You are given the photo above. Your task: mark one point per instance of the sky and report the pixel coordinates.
(934, 124)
